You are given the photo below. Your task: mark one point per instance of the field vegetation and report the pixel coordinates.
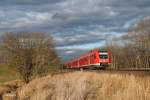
(87, 86)
(7, 74)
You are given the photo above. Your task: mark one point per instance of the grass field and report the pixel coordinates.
(87, 86)
(7, 74)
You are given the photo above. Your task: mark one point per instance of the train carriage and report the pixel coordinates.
(94, 58)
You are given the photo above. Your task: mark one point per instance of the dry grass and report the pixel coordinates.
(9, 87)
(87, 86)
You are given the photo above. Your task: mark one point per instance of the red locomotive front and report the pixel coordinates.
(104, 57)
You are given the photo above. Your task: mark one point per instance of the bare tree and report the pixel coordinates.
(31, 54)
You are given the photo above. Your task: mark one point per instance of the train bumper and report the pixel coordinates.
(104, 64)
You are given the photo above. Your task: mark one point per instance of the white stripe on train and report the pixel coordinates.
(97, 64)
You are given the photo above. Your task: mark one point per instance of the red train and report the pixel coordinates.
(92, 59)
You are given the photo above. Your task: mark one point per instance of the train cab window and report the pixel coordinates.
(103, 57)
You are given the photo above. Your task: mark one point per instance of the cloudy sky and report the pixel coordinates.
(76, 25)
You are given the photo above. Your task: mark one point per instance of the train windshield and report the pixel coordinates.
(103, 55)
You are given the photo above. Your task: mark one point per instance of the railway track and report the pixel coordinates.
(141, 72)
(124, 71)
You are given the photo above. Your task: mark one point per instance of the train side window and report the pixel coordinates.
(85, 59)
(82, 59)
(94, 56)
(91, 56)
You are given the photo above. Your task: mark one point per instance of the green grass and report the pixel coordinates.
(7, 74)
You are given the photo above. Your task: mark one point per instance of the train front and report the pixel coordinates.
(104, 58)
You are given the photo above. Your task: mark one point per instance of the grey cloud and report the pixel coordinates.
(82, 38)
(72, 22)
(27, 2)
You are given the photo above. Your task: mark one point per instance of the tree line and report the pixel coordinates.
(132, 50)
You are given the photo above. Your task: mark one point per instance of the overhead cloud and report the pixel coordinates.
(72, 22)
